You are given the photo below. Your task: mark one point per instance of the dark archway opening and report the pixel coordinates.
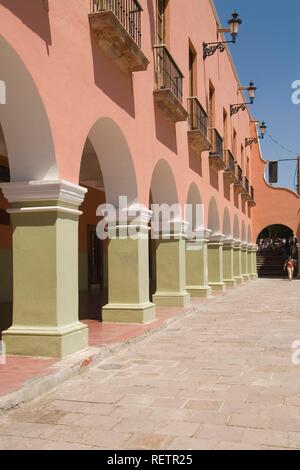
(275, 244)
(6, 282)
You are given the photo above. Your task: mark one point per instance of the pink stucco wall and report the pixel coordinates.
(78, 85)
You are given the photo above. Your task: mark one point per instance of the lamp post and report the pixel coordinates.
(234, 24)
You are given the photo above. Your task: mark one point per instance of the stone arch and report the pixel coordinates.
(243, 233)
(236, 228)
(115, 160)
(226, 223)
(194, 211)
(213, 217)
(24, 121)
(163, 184)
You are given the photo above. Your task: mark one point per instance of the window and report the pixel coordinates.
(211, 106)
(234, 144)
(242, 158)
(225, 129)
(161, 21)
(192, 71)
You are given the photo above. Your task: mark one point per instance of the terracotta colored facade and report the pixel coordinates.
(75, 114)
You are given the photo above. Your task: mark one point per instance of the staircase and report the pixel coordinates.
(270, 263)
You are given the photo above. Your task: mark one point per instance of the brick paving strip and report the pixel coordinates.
(218, 377)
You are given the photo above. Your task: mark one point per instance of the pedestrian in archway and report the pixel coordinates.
(289, 266)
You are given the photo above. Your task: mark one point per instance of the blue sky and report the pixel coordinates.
(268, 52)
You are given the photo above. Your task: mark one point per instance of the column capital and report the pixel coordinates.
(238, 244)
(217, 238)
(135, 217)
(229, 242)
(244, 246)
(31, 191)
(173, 229)
(43, 196)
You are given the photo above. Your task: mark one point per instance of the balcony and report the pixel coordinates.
(251, 201)
(116, 25)
(216, 156)
(246, 194)
(229, 172)
(169, 79)
(238, 186)
(198, 126)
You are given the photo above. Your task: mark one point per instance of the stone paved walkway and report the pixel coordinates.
(222, 378)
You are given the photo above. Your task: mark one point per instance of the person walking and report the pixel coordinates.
(289, 266)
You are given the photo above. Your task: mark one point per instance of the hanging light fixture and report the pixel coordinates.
(234, 24)
(263, 130)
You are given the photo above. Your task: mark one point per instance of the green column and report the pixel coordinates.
(237, 262)
(197, 267)
(254, 251)
(128, 271)
(228, 262)
(245, 274)
(45, 269)
(249, 261)
(215, 263)
(171, 268)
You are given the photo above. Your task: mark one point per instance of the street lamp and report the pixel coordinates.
(234, 23)
(235, 108)
(263, 129)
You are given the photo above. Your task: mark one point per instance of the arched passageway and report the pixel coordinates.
(6, 275)
(26, 154)
(107, 172)
(275, 244)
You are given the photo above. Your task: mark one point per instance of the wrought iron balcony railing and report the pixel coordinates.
(239, 175)
(127, 11)
(198, 119)
(168, 74)
(230, 161)
(217, 144)
(246, 185)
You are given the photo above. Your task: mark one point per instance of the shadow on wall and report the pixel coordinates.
(195, 161)
(34, 14)
(165, 130)
(112, 80)
(227, 186)
(151, 20)
(214, 178)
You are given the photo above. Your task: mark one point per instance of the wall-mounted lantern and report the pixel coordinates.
(235, 108)
(263, 129)
(234, 23)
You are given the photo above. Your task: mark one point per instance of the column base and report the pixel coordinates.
(246, 277)
(201, 291)
(46, 342)
(172, 299)
(239, 280)
(231, 283)
(129, 313)
(217, 286)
